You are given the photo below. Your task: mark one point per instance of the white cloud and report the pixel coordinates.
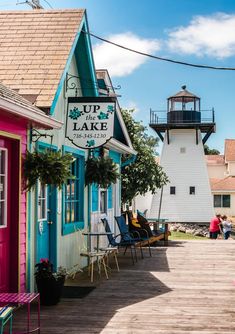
(120, 62)
(213, 36)
(130, 105)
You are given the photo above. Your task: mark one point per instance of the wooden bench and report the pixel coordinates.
(154, 238)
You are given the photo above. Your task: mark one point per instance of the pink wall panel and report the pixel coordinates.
(18, 127)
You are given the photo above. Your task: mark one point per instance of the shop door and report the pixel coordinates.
(9, 207)
(46, 224)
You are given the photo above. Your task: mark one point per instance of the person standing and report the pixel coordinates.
(214, 228)
(227, 227)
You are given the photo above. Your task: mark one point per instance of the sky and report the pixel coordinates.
(194, 31)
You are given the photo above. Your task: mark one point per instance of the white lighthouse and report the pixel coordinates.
(187, 197)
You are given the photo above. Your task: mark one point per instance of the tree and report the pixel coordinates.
(209, 151)
(144, 174)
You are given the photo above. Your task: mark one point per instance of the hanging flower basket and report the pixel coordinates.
(49, 167)
(102, 171)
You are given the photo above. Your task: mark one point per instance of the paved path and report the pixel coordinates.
(184, 288)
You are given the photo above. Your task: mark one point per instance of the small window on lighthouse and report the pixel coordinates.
(172, 190)
(192, 190)
(182, 149)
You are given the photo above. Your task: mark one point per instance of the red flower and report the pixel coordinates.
(44, 260)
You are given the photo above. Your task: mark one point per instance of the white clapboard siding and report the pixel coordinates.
(184, 163)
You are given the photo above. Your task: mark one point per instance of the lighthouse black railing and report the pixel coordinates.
(181, 116)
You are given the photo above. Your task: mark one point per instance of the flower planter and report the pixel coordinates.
(50, 289)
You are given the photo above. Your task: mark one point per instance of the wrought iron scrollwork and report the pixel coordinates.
(70, 84)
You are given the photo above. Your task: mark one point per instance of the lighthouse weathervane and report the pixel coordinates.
(185, 129)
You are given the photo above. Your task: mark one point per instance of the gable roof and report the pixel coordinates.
(226, 184)
(229, 149)
(12, 104)
(35, 46)
(123, 145)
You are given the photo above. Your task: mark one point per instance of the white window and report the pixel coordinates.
(3, 187)
(103, 201)
(183, 150)
(42, 202)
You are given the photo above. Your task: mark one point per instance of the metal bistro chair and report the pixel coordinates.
(119, 241)
(93, 256)
(109, 251)
(5, 316)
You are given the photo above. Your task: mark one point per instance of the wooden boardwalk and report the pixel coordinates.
(184, 288)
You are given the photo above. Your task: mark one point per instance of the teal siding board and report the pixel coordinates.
(95, 196)
(110, 197)
(101, 84)
(90, 56)
(85, 69)
(115, 156)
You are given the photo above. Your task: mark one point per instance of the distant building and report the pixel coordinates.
(221, 171)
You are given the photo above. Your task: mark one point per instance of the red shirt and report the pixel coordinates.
(214, 225)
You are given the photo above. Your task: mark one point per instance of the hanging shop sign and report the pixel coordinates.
(90, 121)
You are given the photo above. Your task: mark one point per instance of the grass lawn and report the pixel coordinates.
(183, 236)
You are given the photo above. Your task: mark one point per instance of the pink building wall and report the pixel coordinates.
(17, 126)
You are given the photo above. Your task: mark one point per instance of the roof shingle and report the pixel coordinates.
(34, 48)
(229, 149)
(214, 159)
(11, 96)
(226, 184)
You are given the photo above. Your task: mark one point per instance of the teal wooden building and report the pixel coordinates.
(49, 60)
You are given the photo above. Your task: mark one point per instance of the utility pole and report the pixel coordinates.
(35, 4)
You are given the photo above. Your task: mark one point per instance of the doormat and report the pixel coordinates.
(76, 291)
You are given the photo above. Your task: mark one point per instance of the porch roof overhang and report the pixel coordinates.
(114, 144)
(34, 116)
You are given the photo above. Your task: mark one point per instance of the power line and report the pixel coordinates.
(48, 4)
(161, 58)
(35, 4)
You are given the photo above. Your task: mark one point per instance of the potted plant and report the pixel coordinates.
(101, 170)
(50, 284)
(50, 167)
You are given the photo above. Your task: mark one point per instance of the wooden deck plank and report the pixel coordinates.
(185, 288)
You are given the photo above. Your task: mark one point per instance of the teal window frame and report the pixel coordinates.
(68, 228)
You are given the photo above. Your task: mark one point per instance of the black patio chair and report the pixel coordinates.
(126, 234)
(120, 241)
(144, 231)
